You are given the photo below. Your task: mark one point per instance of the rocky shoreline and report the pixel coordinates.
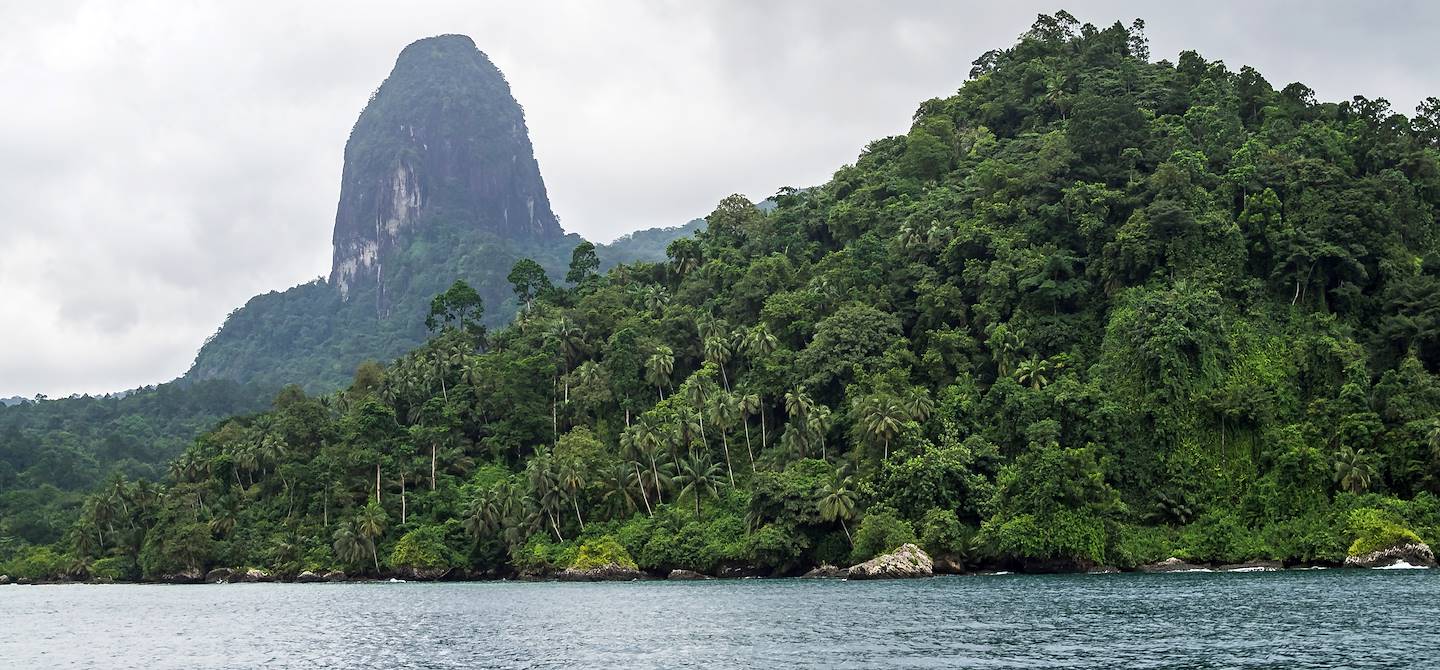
(906, 562)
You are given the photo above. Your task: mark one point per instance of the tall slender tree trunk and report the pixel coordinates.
(655, 473)
(555, 526)
(847, 532)
(725, 442)
(432, 465)
(575, 501)
(377, 481)
(748, 448)
(764, 437)
(639, 478)
(402, 498)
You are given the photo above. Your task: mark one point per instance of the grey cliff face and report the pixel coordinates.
(442, 142)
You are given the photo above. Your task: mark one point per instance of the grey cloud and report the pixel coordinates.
(162, 162)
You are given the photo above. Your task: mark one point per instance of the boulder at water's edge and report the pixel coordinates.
(1417, 554)
(606, 573)
(909, 561)
(826, 571)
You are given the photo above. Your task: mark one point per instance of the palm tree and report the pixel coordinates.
(545, 482)
(1005, 345)
(880, 417)
(747, 405)
(1033, 372)
(686, 256)
(571, 343)
(659, 367)
(760, 342)
(697, 476)
(798, 404)
(617, 490)
(1354, 469)
(648, 442)
(723, 409)
(572, 481)
(654, 298)
(370, 524)
(817, 426)
(838, 504)
(349, 545)
(717, 351)
(919, 405)
(477, 515)
(632, 449)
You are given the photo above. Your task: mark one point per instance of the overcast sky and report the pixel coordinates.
(162, 162)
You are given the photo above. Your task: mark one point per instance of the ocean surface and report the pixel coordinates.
(1309, 619)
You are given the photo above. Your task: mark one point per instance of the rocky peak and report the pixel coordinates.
(442, 142)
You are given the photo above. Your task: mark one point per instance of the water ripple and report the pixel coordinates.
(1258, 620)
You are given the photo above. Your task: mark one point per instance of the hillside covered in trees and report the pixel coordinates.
(1089, 310)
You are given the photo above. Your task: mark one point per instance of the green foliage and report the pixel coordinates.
(115, 568)
(881, 530)
(1221, 537)
(1376, 530)
(941, 534)
(602, 552)
(37, 563)
(424, 547)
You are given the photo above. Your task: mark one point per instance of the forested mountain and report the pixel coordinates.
(1091, 309)
(52, 452)
(440, 182)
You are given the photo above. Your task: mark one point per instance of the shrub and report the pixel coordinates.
(115, 568)
(1376, 530)
(1065, 534)
(942, 534)
(833, 548)
(602, 552)
(1136, 545)
(775, 545)
(1221, 537)
(424, 547)
(541, 554)
(38, 563)
(880, 531)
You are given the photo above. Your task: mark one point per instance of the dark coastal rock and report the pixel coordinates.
(1103, 570)
(24, 581)
(826, 571)
(219, 575)
(687, 575)
(409, 573)
(1171, 564)
(188, 576)
(948, 565)
(907, 562)
(307, 577)
(1055, 566)
(1252, 566)
(335, 576)
(1417, 554)
(739, 571)
(4, 579)
(608, 573)
(251, 576)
